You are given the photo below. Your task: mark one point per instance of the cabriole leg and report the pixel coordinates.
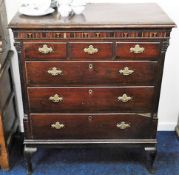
(151, 153)
(28, 151)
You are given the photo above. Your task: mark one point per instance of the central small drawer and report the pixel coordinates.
(91, 73)
(106, 99)
(91, 50)
(95, 126)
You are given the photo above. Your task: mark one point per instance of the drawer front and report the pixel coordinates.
(45, 50)
(91, 99)
(138, 50)
(96, 126)
(91, 50)
(91, 73)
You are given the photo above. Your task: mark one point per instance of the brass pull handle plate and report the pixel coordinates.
(123, 125)
(54, 71)
(91, 50)
(45, 49)
(57, 125)
(137, 49)
(56, 98)
(124, 98)
(126, 71)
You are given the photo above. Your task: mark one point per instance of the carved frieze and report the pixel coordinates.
(90, 35)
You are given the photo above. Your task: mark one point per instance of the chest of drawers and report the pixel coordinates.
(93, 78)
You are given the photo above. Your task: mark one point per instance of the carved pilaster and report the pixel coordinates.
(165, 45)
(18, 47)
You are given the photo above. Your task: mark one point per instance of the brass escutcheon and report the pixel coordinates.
(90, 66)
(126, 71)
(137, 49)
(91, 50)
(123, 125)
(124, 98)
(45, 49)
(54, 71)
(58, 125)
(90, 91)
(56, 98)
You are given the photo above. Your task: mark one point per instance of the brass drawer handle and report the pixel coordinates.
(126, 71)
(45, 49)
(123, 125)
(124, 98)
(54, 71)
(56, 98)
(91, 50)
(137, 49)
(58, 125)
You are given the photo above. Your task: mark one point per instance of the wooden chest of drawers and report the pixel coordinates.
(92, 78)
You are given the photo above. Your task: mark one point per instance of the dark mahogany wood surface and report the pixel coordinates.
(105, 50)
(151, 50)
(31, 50)
(144, 15)
(72, 76)
(95, 126)
(90, 73)
(91, 99)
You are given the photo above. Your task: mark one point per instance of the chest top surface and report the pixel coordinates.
(148, 15)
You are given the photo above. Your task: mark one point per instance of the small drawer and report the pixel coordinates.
(107, 99)
(95, 126)
(91, 73)
(138, 50)
(91, 50)
(45, 50)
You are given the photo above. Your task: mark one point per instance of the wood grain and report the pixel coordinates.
(151, 50)
(142, 15)
(100, 100)
(92, 126)
(31, 50)
(80, 73)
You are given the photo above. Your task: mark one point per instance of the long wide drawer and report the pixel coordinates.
(95, 126)
(91, 73)
(106, 99)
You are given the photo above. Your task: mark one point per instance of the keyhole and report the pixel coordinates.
(90, 118)
(90, 92)
(90, 67)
